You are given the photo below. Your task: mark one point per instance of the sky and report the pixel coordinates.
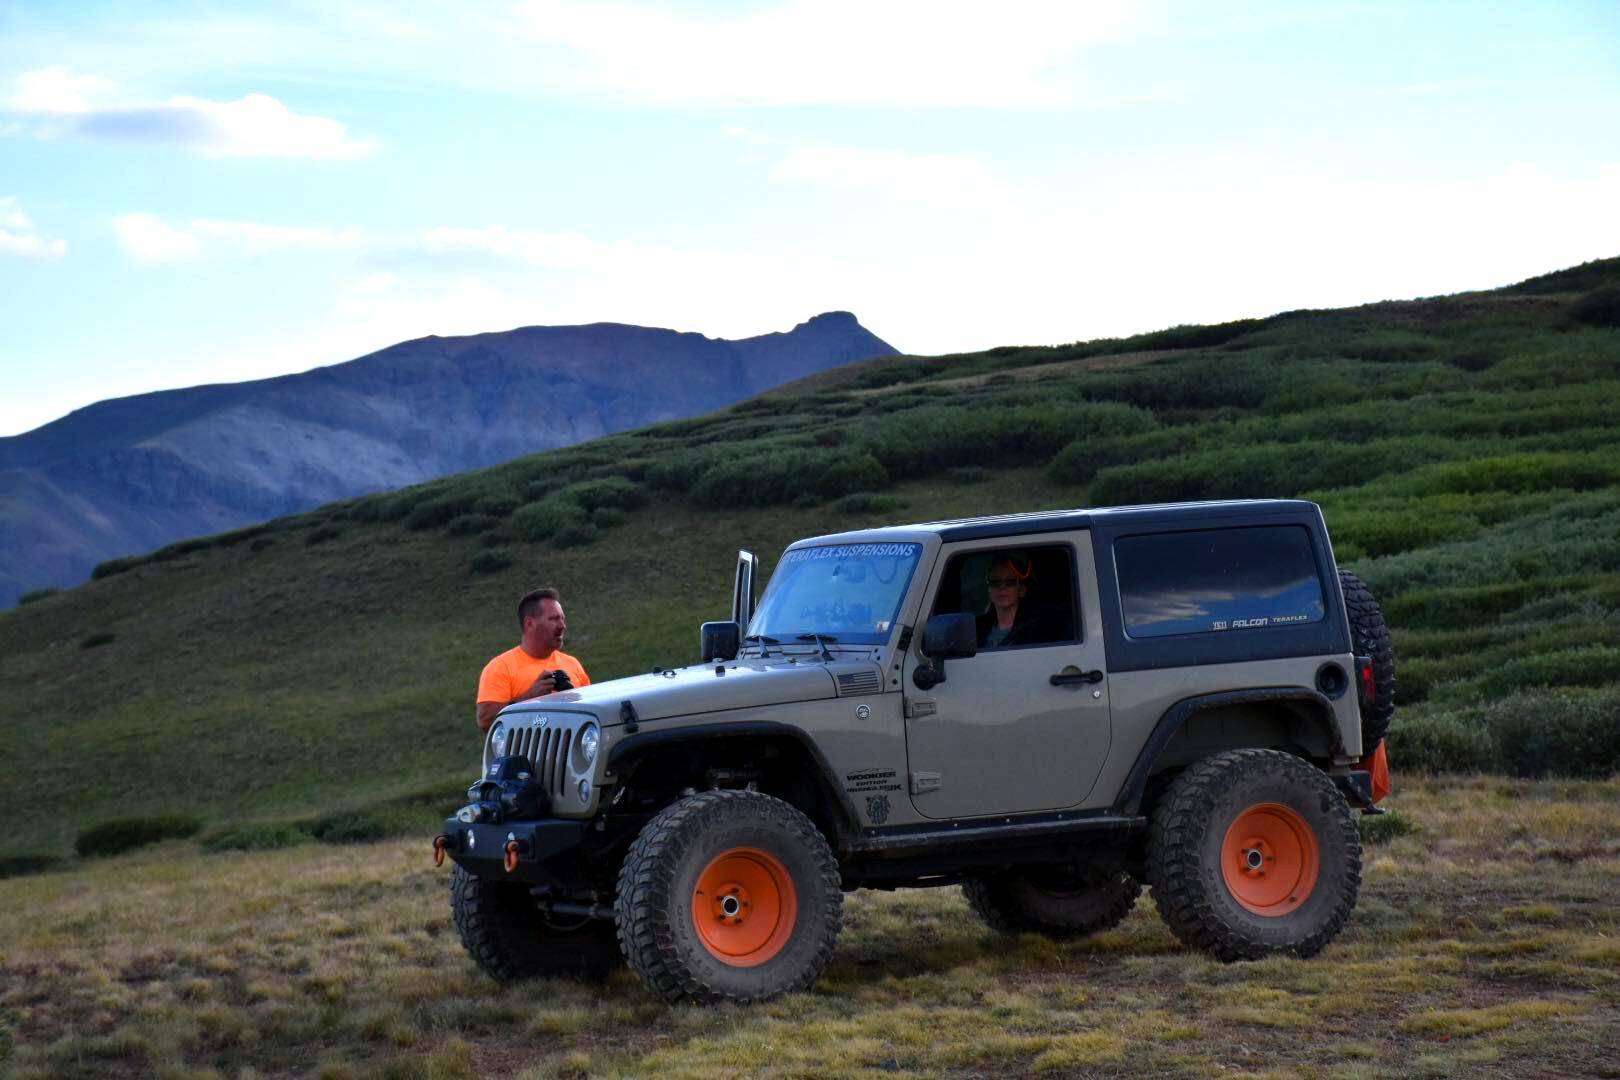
(196, 193)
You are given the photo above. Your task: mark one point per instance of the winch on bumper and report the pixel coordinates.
(544, 852)
(506, 829)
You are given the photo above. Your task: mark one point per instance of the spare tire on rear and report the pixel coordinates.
(1369, 636)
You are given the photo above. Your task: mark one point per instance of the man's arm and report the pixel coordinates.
(488, 710)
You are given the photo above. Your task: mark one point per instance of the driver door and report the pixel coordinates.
(998, 736)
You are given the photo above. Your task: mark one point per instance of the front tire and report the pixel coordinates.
(728, 896)
(1060, 903)
(1254, 852)
(507, 935)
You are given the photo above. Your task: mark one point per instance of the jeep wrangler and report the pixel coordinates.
(1192, 704)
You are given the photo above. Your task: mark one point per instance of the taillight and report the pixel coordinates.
(1367, 681)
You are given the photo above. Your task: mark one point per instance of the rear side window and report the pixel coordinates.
(1218, 581)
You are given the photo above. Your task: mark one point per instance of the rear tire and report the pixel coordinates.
(728, 896)
(507, 935)
(1254, 852)
(1369, 636)
(1058, 904)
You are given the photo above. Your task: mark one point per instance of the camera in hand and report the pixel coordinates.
(560, 681)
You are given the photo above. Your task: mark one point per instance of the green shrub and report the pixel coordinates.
(322, 535)
(255, 838)
(1267, 470)
(491, 560)
(544, 519)
(1437, 743)
(608, 517)
(35, 595)
(261, 543)
(347, 827)
(497, 506)
(780, 475)
(614, 491)
(576, 535)
(929, 440)
(1594, 665)
(23, 865)
(1466, 605)
(865, 502)
(1557, 733)
(1513, 472)
(98, 639)
(115, 566)
(969, 474)
(535, 490)
(431, 513)
(472, 524)
(1382, 828)
(113, 837)
(1389, 533)
(1600, 307)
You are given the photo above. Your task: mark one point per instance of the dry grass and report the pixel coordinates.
(1488, 942)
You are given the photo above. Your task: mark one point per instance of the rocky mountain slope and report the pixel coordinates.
(131, 474)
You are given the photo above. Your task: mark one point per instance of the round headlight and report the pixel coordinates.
(589, 739)
(497, 740)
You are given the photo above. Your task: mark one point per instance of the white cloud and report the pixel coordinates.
(148, 239)
(845, 52)
(56, 90)
(19, 237)
(938, 179)
(255, 125)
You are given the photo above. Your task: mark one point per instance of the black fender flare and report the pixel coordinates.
(845, 818)
(1130, 796)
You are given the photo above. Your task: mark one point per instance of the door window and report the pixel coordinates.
(1020, 597)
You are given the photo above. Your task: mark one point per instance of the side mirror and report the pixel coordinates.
(945, 637)
(719, 641)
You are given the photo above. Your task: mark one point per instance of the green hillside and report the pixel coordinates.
(1466, 450)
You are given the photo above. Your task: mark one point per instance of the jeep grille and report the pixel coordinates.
(859, 682)
(546, 748)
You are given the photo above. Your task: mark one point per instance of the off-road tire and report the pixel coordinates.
(507, 935)
(1185, 863)
(1050, 904)
(1369, 636)
(654, 909)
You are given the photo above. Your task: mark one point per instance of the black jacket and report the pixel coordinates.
(1030, 629)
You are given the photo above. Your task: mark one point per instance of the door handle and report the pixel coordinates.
(1074, 678)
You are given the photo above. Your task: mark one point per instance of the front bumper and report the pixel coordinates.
(547, 851)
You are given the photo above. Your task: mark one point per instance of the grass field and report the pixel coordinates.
(1487, 941)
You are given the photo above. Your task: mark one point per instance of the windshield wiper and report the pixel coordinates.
(821, 639)
(765, 642)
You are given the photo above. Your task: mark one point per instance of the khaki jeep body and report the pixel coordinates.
(1175, 654)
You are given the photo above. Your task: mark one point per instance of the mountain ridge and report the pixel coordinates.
(130, 474)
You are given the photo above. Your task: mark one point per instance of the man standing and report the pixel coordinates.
(529, 670)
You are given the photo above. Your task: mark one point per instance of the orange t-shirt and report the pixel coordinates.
(514, 671)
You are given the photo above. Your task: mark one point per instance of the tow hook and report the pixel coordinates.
(513, 849)
(440, 842)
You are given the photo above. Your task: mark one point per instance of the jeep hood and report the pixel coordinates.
(688, 691)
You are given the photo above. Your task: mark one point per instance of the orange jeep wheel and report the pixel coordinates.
(1252, 853)
(1270, 859)
(744, 906)
(728, 896)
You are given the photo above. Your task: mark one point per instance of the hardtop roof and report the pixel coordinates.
(1040, 521)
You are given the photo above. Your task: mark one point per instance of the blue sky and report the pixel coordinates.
(216, 192)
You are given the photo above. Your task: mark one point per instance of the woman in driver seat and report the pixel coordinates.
(1009, 620)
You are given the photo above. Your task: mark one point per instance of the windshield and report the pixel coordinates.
(847, 592)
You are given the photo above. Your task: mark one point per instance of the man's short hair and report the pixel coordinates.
(531, 602)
